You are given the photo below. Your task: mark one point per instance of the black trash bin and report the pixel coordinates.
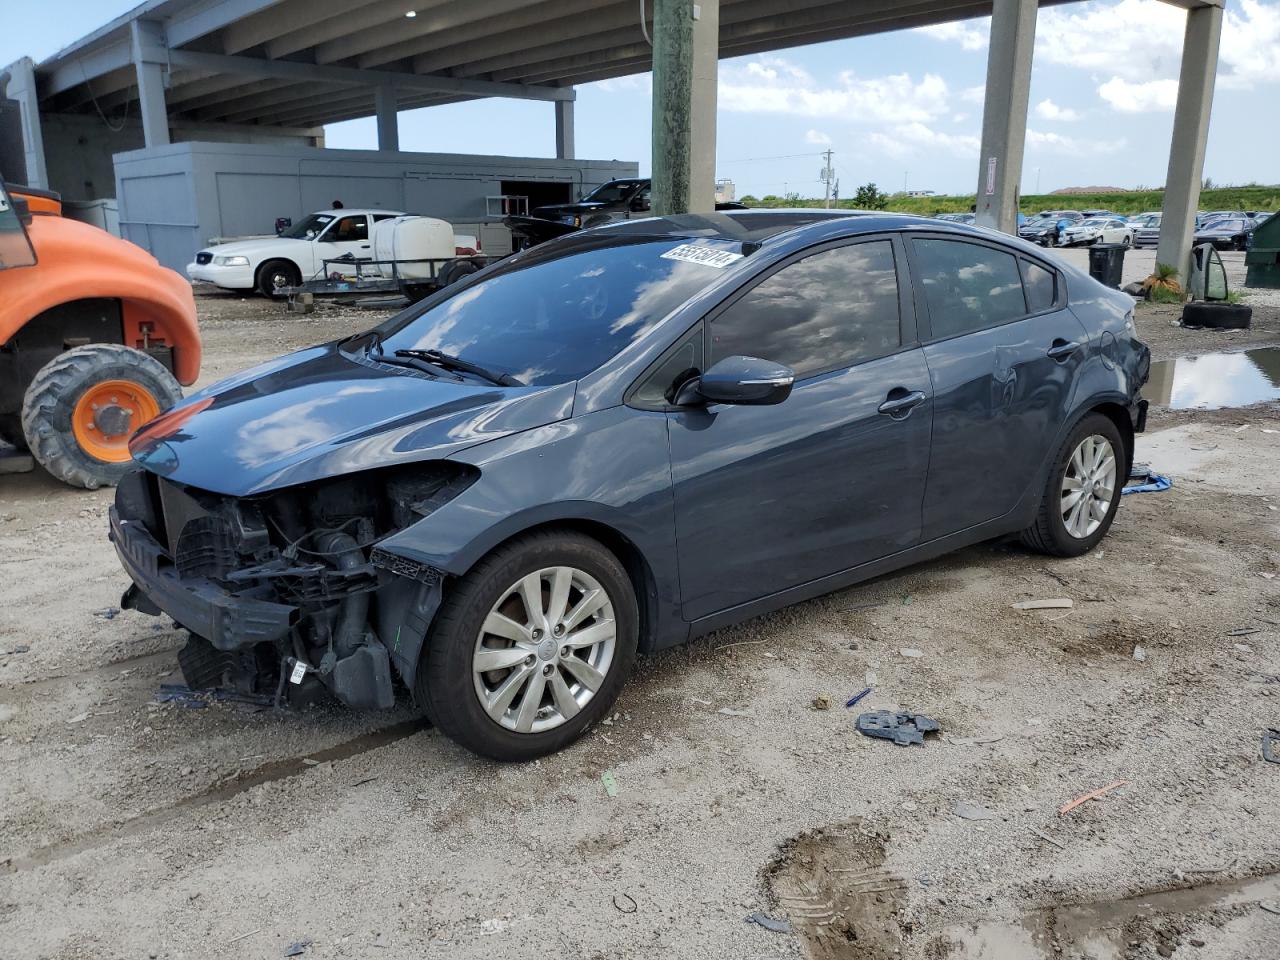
(1106, 263)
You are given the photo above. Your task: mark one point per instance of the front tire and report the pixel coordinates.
(83, 406)
(531, 647)
(275, 275)
(1082, 492)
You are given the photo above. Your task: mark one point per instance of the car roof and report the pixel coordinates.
(347, 211)
(755, 226)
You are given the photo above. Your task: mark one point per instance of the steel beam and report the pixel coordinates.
(1190, 134)
(386, 108)
(201, 20)
(1004, 114)
(149, 56)
(291, 70)
(85, 67)
(440, 51)
(432, 18)
(248, 108)
(325, 20)
(564, 130)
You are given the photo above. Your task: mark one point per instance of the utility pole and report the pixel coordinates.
(828, 175)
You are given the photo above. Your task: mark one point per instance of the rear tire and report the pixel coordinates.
(81, 443)
(1050, 533)
(274, 275)
(450, 686)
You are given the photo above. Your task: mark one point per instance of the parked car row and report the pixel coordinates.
(1225, 229)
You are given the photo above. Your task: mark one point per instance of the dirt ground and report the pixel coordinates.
(131, 828)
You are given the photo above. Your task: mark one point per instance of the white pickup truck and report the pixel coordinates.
(270, 264)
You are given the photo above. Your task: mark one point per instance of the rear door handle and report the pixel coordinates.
(1062, 349)
(900, 402)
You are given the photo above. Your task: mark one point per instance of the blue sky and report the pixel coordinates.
(898, 109)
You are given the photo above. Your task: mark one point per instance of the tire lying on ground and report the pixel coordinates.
(83, 406)
(1218, 316)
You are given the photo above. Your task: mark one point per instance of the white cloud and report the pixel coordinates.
(971, 35)
(1043, 141)
(1128, 97)
(910, 139)
(1051, 111)
(817, 137)
(776, 85)
(976, 94)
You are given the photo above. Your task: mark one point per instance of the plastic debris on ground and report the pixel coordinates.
(856, 698)
(902, 728)
(184, 696)
(1054, 603)
(968, 810)
(297, 949)
(610, 783)
(1271, 746)
(766, 921)
(1091, 795)
(1143, 480)
(1140, 653)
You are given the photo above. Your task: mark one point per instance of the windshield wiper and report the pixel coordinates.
(449, 362)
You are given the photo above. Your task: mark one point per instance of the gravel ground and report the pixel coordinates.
(235, 832)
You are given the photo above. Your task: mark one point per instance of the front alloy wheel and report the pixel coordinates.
(543, 651)
(1088, 486)
(531, 646)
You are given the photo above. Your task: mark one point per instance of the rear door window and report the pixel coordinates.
(967, 286)
(823, 312)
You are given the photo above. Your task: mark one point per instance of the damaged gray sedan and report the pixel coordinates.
(620, 440)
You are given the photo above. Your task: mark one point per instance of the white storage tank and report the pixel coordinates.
(412, 238)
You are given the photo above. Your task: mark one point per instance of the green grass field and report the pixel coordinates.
(1128, 202)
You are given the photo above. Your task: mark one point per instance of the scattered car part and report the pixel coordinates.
(80, 374)
(857, 698)
(968, 810)
(1271, 746)
(1092, 795)
(904, 729)
(766, 921)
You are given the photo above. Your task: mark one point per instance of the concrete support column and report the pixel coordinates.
(1004, 114)
(22, 87)
(564, 130)
(1190, 132)
(685, 55)
(387, 104)
(151, 61)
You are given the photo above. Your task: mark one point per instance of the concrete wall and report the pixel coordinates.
(175, 199)
(79, 148)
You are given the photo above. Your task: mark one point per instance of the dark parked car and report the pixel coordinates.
(615, 200)
(1230, 233)
(620, 440)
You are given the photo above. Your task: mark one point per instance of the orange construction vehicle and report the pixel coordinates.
(95, 337)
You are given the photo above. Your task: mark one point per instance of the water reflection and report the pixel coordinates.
(1215, 380)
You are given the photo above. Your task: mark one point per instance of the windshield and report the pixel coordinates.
(309, 228)
(1227, 225)
(1093, 223)
(614, 192)
(561, 311)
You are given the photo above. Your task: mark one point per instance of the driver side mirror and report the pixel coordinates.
(743, 381)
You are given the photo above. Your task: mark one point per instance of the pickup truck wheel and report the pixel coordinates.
(1082, 493)
(83, 406)
(275, 275)
(455, 270)
(531, 647)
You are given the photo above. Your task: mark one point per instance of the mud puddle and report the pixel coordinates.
(230, 787)
(1109, 930)
(1213, 381)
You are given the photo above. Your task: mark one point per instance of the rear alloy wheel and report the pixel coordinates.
(83, 406)
(276, 275)
(531, 647)
(1083, 490)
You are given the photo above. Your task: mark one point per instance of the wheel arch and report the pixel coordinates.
(1118, 415)
(632, 558)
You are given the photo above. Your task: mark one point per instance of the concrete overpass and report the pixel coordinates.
(282, 68)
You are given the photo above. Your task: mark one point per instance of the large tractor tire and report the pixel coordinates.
(83, 406)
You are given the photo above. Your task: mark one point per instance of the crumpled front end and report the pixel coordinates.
(288, 592)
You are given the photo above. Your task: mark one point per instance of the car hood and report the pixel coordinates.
(323, 413)
(564, 209)
(257, 247)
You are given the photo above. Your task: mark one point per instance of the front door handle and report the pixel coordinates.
(900, 402)
(1062, 349)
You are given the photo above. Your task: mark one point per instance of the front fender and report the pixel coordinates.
(77, 261)
(611, 468)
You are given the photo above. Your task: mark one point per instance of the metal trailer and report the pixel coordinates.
(337, 284)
